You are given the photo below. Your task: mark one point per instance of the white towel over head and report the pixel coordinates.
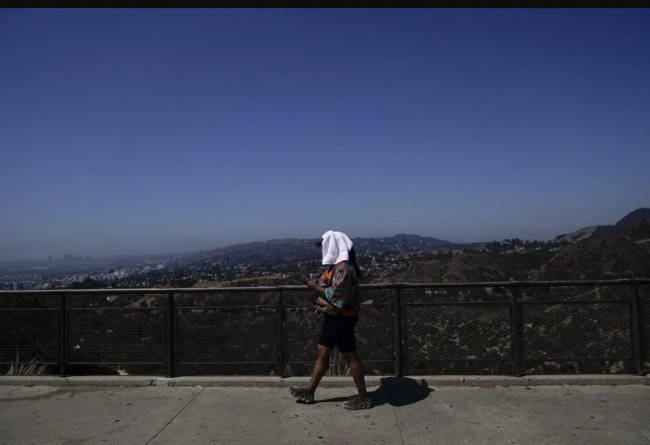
(336, 247)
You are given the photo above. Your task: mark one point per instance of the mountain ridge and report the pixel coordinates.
(277, 252)
(639, 215)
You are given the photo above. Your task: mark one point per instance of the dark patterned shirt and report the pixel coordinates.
(342, 292)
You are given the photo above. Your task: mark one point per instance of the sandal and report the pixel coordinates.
(358, 402)
(303, 396)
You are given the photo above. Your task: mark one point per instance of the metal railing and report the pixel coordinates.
(406, 328)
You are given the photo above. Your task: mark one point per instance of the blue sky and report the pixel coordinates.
(149, 131)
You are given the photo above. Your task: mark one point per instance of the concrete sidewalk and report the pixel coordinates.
(330, 381)
(75, 415)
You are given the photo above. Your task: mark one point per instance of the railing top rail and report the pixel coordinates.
(378, 286)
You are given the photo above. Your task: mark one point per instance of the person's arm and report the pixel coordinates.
(313, 285)
(316, 288)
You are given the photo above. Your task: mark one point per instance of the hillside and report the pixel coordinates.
(635, 217)
(588, 233)
(596, 253)
(402, 243)
(640, 234)
(283, 251)
(417, 259)
(467, 267)
(601, 258)
(286, 251)
(626, 255)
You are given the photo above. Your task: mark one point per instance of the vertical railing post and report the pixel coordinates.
(63, 335)
(281, 318)
(517, 329)
(637, 329)
(399, 357)
(171, 336)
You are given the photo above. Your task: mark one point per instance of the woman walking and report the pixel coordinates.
(339, 300)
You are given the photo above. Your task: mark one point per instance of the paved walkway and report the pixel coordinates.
(615, 415)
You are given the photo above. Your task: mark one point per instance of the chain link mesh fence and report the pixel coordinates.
(645, 311)
(227, 335)
(116, 336)
(302, 329)
(558, 294)
(644, 294)
(239, 332)
(468, 332)
(29, 335)
(562, 331)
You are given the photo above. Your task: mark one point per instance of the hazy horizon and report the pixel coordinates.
(162, 131)
(163, 251)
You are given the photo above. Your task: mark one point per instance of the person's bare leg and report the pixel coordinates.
(362, 400)
(356, 369)
(320, 367)
(306, 395)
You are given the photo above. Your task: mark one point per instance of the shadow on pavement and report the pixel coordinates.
(395, 391)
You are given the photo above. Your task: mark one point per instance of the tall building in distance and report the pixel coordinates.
(73, 257)
(19, 285)
(50, 258)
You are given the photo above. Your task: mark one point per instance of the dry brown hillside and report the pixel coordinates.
(602, 258)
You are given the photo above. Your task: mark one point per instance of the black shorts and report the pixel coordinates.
(338, 331)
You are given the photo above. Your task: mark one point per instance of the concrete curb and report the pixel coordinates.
(327, 382)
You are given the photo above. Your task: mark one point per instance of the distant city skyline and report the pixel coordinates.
(158, 131)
